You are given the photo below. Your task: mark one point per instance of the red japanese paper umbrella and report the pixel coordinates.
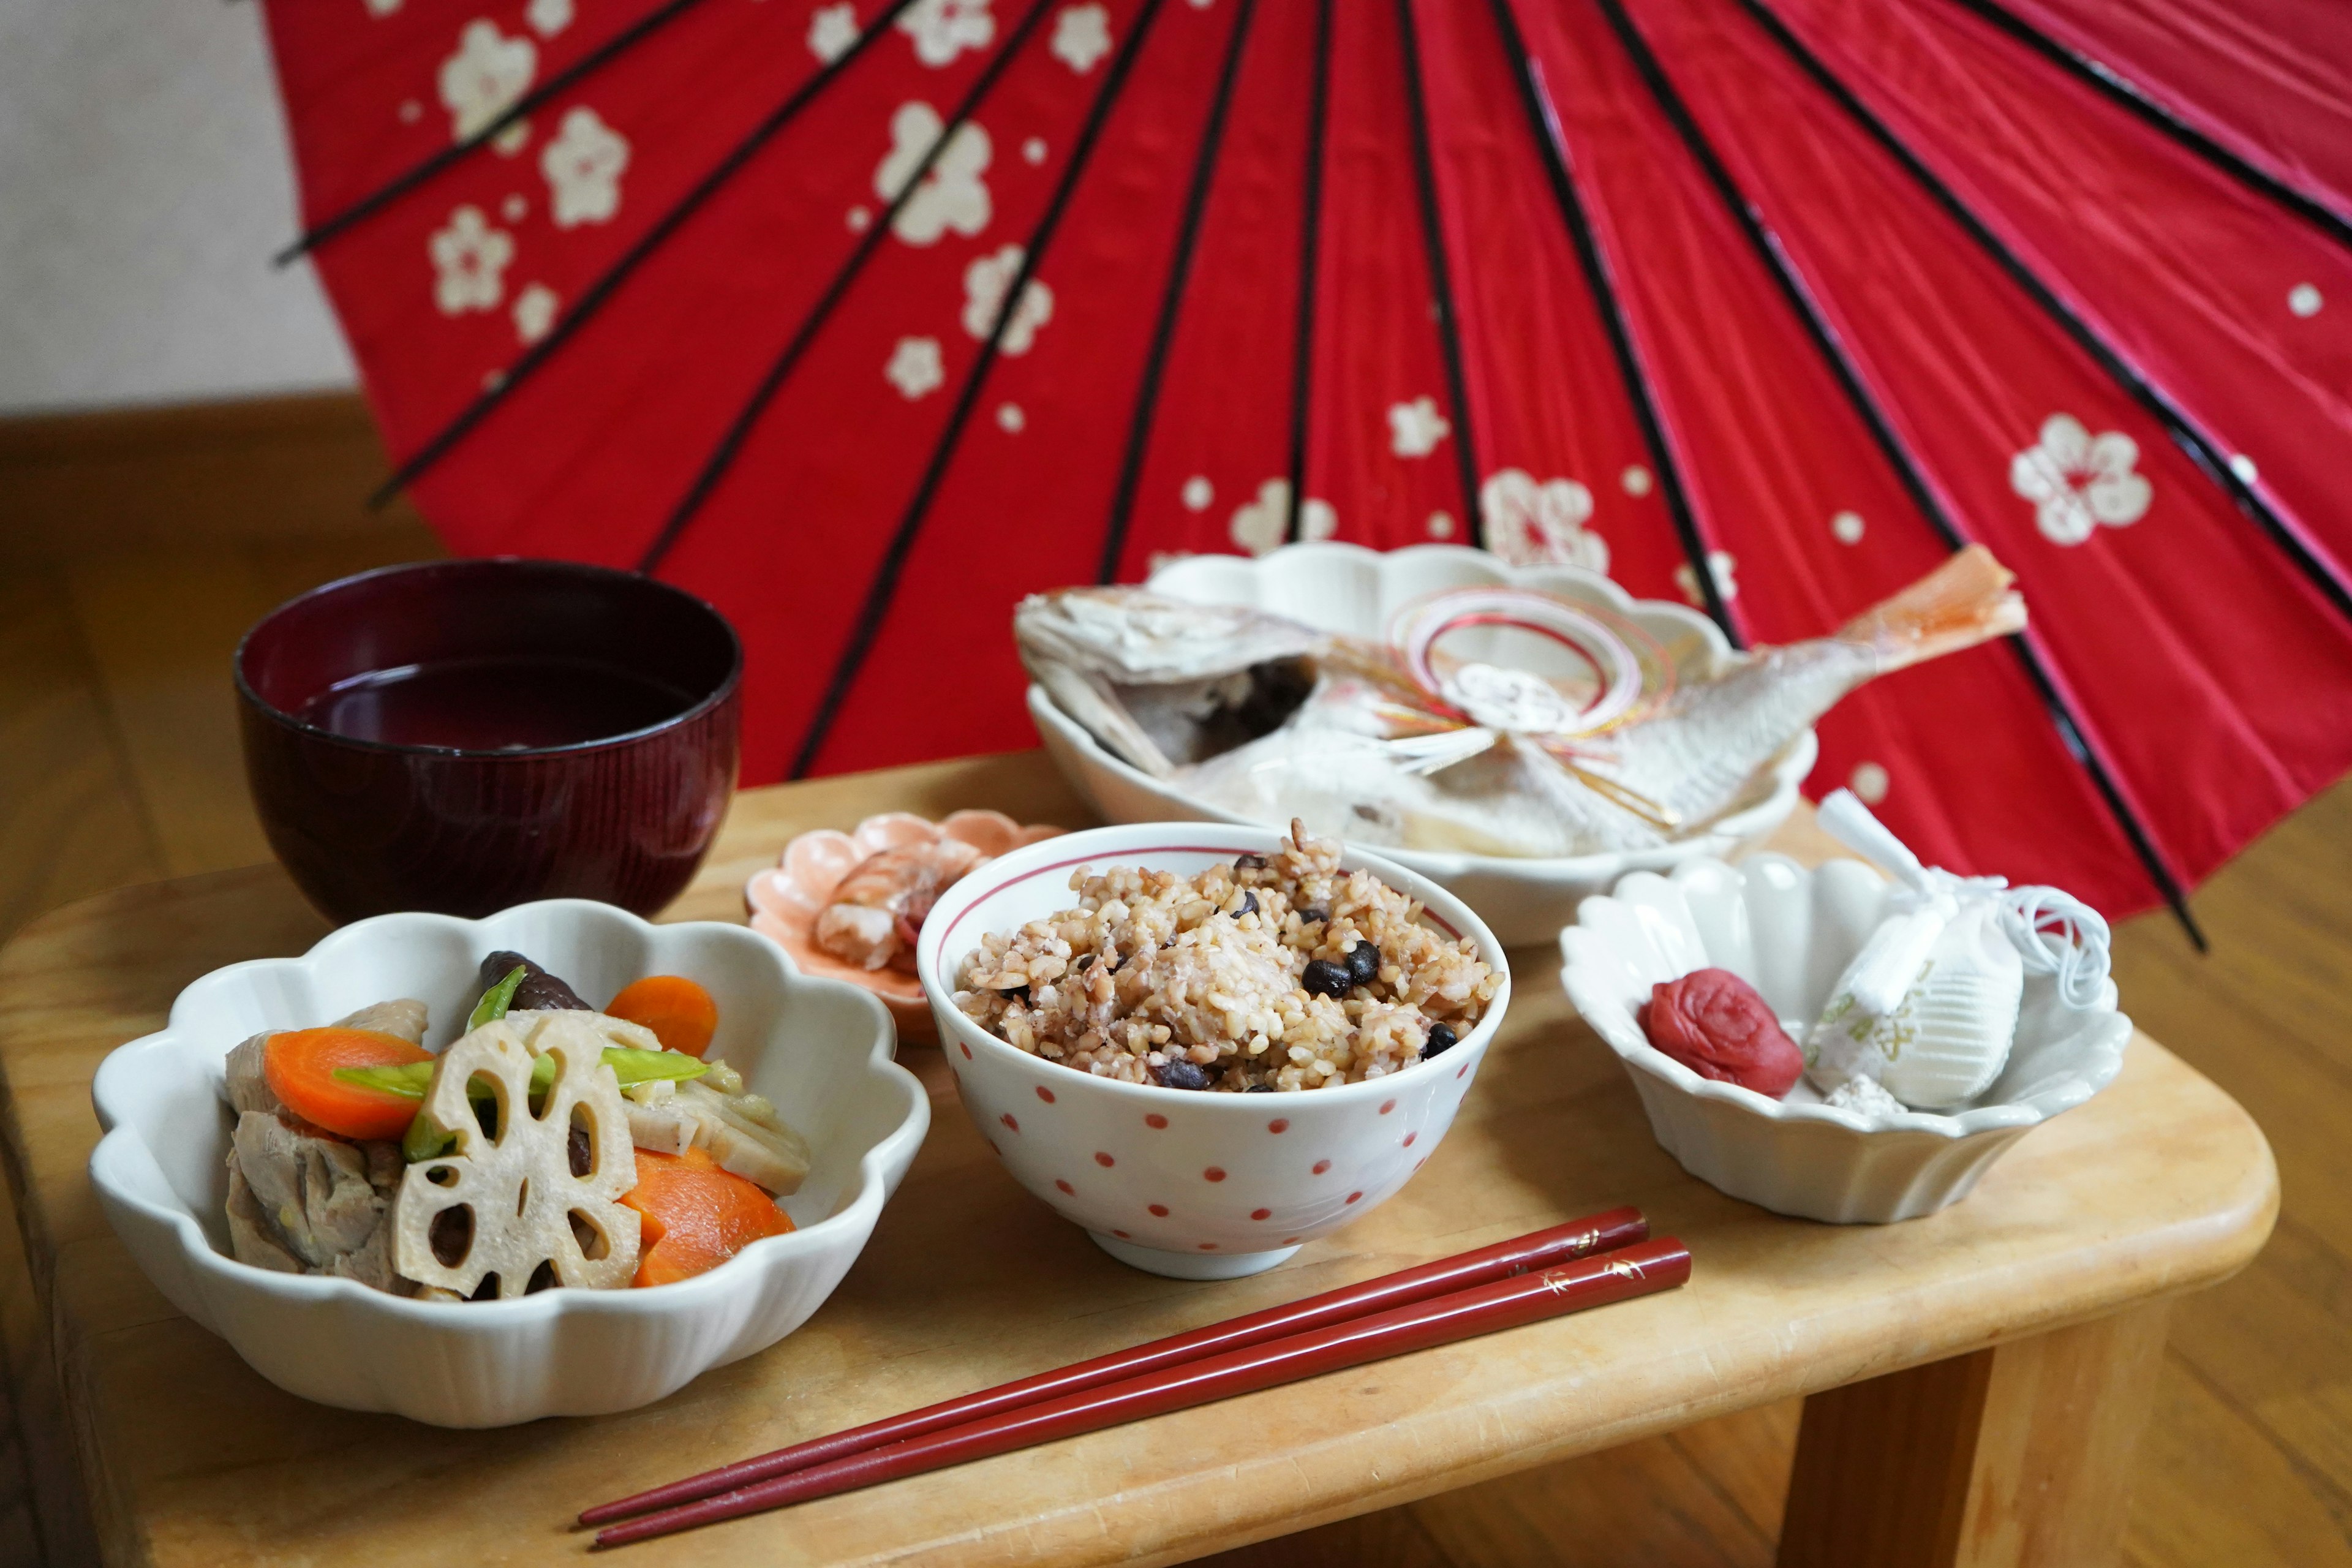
(862, 319)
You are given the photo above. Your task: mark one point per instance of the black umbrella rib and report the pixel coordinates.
(1552, 142)
(593, 296)
(885, 583)
(739, 430)
(1310, 245)
(570, 76)
(1440, 276)
(2185, 431)
(2121, 89)
(1172, 301)
(1825, 341)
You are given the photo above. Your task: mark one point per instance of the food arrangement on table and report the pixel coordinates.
(1209, 1042)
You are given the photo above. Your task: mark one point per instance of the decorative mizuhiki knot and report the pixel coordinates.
(1469, 704)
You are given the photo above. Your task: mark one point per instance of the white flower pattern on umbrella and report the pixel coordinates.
(942, 29)
(915, 367)
(484, 77)
(1260, 525)
(952, 195)
(984, 283)
(2077, 481)
(831, 29)
(1415, 429)
(469, 262)
(548, 18)
(534, 312)
(583, 166)
(1081, 37)
(1531, 522)
(1720, 565)
(383, 7)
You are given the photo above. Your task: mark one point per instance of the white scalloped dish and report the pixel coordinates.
(820, 1049)
(1789, 932)
(784, 899)
(1348, 588)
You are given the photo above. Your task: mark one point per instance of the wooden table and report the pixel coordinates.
(1976, 1379)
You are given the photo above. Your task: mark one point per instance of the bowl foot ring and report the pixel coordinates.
(1190, 1265)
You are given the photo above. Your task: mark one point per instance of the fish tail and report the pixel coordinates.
(1966, 601)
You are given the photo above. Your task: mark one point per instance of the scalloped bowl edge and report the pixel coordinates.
(557, 1352)
(1806, 1159)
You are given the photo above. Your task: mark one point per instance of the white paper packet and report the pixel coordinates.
(1928, 1009)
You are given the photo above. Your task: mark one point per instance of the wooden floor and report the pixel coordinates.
(118, 764)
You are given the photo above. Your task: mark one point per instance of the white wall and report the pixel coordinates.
(143, 184)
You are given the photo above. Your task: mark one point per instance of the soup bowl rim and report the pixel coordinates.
(729, 685)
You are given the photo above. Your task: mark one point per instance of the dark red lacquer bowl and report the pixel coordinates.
(464, 735)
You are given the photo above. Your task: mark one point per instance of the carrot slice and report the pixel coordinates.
(696, 1216)
(300, 1066)
(681, 1014)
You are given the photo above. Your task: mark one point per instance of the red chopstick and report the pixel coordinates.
(1538, 1249)
(1638, 1270)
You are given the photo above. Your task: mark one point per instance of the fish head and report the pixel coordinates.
(1131, 638)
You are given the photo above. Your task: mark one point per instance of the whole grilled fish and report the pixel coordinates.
(1269, 719)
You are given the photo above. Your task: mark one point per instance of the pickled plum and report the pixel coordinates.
(1715, 1024)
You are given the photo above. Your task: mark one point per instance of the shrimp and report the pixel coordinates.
(879, 907)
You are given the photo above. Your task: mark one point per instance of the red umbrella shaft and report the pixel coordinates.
(1638, 1270)
(1520, 1255)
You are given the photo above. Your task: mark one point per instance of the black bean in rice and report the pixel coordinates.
(1151, 970)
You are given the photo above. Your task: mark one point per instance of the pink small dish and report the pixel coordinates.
(786, 900)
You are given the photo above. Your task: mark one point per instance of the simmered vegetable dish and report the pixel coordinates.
(552, 1144)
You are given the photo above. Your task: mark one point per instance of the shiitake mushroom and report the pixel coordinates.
(539, 991)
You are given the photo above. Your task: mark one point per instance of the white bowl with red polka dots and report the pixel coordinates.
(1184, 1183)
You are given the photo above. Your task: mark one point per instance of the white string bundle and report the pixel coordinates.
(2058, 933)
(2054, 932)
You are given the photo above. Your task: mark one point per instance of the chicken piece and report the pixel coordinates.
(404, 1019)
(302, 1202)
(252, 1238)
(248, 1088)
(881, 906)
(313, 1189)
(741, 1131)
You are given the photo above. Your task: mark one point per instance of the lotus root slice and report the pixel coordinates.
(517, 1211)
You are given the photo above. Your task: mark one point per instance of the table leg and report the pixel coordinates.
(2018, 1454)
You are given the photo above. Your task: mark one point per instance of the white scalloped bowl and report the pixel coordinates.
(820, 1049)
(1348, 588)
(1790, 933)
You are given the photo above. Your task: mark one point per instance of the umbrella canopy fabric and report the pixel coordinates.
(862, 319)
